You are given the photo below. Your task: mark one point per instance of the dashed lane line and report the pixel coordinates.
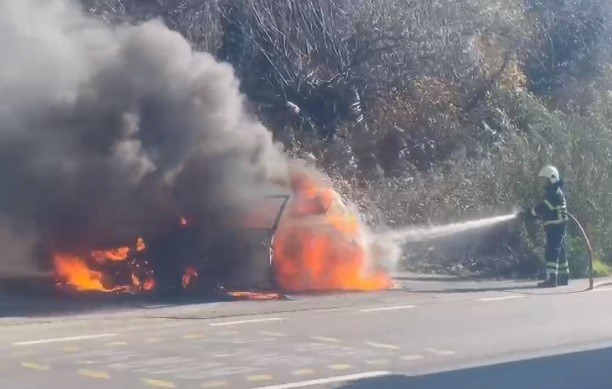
(115, 344)
(67, 339)
(34, 366)
(382, 345)
(259, 378)
(70, 349)
(328, 380)
(394, 308)
(414, 357)
(486, 299)
(270, 333)
(215, 384)
(378, 362)
(225, 355)
(303, 372)
(94, 374)
(340, 367)
(325, 339)
(193, 336)
(229, 323)
(159, 383)
(440, 352)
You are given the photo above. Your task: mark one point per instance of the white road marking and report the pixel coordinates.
(395, 308)
(159, 383)
(113, 344)
(68, 339)
(193, 336)
(500, 298)
(34, 366)
(340, 366)
(229, 323)
(215, 384)
(325, 339)
(303, 372)
(382, 345)
(270, 333)
(440, 352)
(412, 357)
(329, 380)
(378, 362)
(261, 377)
(94, 374)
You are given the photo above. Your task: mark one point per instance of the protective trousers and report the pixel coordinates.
(557, 267)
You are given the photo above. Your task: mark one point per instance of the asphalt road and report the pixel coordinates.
(431, 334)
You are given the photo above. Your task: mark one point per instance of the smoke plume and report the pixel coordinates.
(112, 132)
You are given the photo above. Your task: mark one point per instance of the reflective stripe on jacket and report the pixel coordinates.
(553, 210)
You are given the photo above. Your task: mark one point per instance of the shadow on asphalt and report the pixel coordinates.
(31, 297)
(18, 307)
(581, 370)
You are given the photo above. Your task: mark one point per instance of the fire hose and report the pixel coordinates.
(589, 248)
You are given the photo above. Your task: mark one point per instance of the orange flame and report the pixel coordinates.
(114, 255)
(140, 245)
(183, 221)
(118, 254)
(74, 271)
(320, 244)
(189, 275)
(147, 284)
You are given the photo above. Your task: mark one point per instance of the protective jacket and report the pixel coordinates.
(553, 210)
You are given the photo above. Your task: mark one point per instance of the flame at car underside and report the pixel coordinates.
(90, 274)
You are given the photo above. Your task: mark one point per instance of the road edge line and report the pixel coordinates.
(328, 380)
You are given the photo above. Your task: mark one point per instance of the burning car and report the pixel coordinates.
(304, 239)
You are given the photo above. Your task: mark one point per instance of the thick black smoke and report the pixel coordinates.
(109, 133)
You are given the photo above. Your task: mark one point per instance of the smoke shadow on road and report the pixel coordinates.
(38, 297)
(588, 370)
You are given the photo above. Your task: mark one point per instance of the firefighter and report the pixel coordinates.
(553, 213)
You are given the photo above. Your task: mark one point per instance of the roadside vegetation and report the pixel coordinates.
(428, 111)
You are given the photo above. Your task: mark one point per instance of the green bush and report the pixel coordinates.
(601, 269)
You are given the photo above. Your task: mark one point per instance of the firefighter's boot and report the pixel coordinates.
(550, 282)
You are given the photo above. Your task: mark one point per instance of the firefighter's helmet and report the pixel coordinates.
(549, 172)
